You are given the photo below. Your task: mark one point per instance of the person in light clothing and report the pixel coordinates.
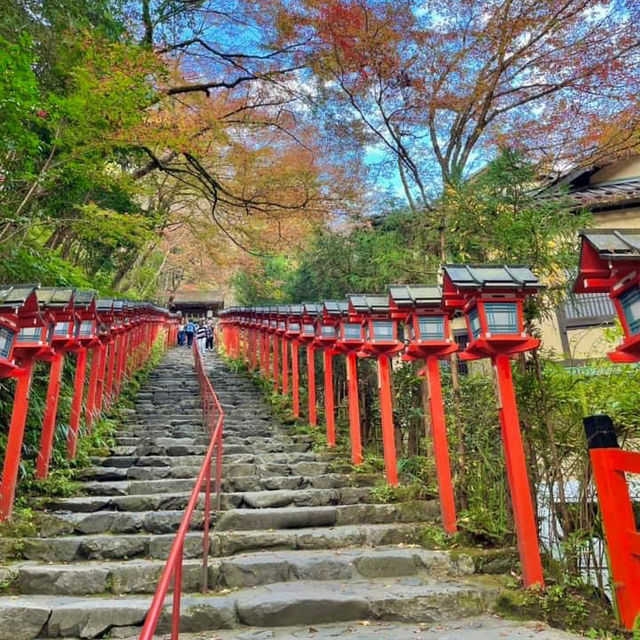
(201, 336)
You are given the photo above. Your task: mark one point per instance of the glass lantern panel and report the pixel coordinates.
(431, 328)
(308, 329)
(474, 322)
(294, 327)
(328, 331)
(86, 329)
(273, 324)
(6, 340)
(30, 334)
(630, 301)
(382, 330)
(281, 326)
(352, 331)
(502, 317)
(62, 328)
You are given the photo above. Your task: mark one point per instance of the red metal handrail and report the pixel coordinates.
(213, 417)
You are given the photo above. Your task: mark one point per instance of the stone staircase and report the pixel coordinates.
(295, 545)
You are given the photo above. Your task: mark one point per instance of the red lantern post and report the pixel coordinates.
(104, 309)
(307, 337)
(254, 332)
(60, 302)
(326, 335)
(292, 335)
(20, 312)
(610, 263)
(86, 337)
(491, 297)
(428, 336)
(275, 344)
(381, 341)
(350, 341)
(281, 333)
(264, 344)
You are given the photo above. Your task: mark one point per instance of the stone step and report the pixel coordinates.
(297, 517)
(189, 449)
(234, 485)
(227, 543)
(255, 442)
(409, 599)
(186, 460)
(473, 628)
(61, 523)
(191, 471)
(178, 501)
(104, 547)
(249, 570)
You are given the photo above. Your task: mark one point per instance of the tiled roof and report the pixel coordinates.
(597, 195)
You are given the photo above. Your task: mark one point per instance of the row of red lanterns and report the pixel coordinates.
(413, 321)
(47, 324)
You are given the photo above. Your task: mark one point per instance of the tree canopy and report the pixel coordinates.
(149, 144)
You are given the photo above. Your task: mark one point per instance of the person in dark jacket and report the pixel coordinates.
(190, 330)
(209, 328)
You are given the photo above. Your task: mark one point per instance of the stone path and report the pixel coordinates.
(296, 546)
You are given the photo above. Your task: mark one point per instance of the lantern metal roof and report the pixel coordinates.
(12, 296)
(491, 276)
(312, 308)
(412, 295)
(366, 303)
(336, 307)
(296, 309)
(104, 305)
(56, 297)
(84, 299)
(614, 244)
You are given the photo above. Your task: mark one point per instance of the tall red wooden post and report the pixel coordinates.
(329, 410)
(285, 365)
(295, 377)
(13, 449)
(49, 419)
(517, 476)
(354, 408)
(610, 468)
(276, 362)
(311, 382)
(441, 446)
(111, 367)
(386, 417)
(102, 367)
(428, 335)
(91, 391)
(76, 403)
(491, 298)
